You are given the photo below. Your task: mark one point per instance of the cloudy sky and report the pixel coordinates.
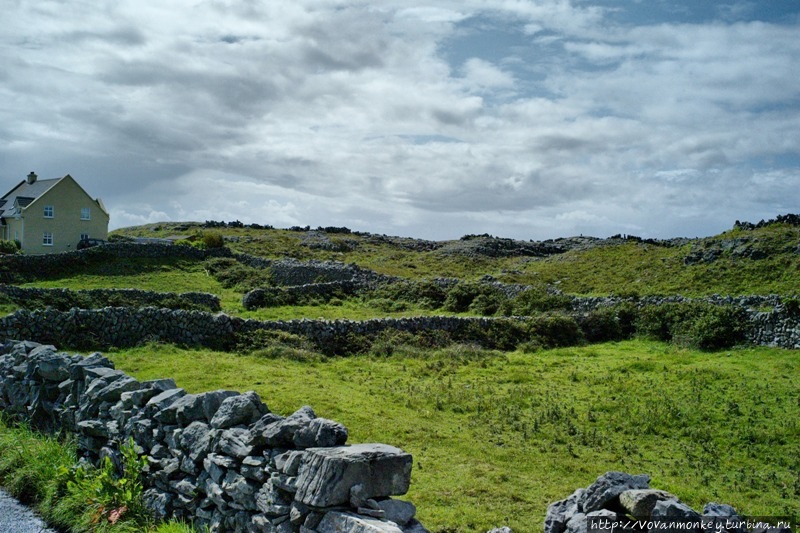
(530, 119)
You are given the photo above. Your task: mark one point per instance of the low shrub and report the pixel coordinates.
(392, 342)
(535, 300)
(425, 294)
(553, 330)
(696, 324)
(212, 239)
(609, 323)
(480, 298)
(104, 496)
(9, 247)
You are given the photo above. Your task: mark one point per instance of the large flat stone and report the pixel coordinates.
(337, 522)
(328, 474)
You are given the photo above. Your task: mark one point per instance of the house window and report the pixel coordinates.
(47, 239)
(84, 236)
(48, 211)
(86, 213)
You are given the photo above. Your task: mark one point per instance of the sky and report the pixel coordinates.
(529, 119)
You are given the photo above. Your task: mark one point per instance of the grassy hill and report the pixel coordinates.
(744, 260)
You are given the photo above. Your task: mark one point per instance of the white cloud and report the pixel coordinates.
(288, 113)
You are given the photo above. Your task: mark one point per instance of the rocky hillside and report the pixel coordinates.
(751, 258)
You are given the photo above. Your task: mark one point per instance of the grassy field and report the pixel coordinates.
(496, 437)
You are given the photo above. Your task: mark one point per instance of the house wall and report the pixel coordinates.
(13, 229)
(66, 226)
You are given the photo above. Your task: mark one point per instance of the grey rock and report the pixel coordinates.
(213, 399)
(162, 400)
(245, 409)
(188, 409)
(234, 442)
(159, 502)
(222, 460)
(185, 486)
(719, 509)
(254, 468)
(320, 432)
(640, 502)
(718, 517)
(280, 434)
(338, 522)
(398, 511)
(240, 490)
(54, 367)
(609, 486)
(289, 462)
(273, 502)
(113, 391)
(675, 514)
(560, 512)
(328, 474)
(195, 440)
(583, 523)
(504, 529)
(94, 428)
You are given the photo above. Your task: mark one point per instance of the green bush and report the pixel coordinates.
(9, 247)
(425, 294)
(480, 298)
(696, 324)
(533, 301)
(212, 239)
(393, 342)
(553, 330)
(102, 496)
(609, 323)
(387, 305)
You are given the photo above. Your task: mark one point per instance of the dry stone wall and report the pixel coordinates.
(12, 267)
(127, 297)
(118, 326)
(624, 502)
(220, 459)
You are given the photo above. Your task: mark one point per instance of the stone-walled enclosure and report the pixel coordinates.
(220, 459)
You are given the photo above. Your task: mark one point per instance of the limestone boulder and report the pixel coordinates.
(328, 474)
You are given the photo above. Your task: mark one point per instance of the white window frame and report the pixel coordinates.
(49, 211)
(47, 239)
(86, 213)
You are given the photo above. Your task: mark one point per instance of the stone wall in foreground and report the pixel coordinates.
(220, 459)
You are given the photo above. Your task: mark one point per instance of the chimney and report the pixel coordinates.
(31, 178)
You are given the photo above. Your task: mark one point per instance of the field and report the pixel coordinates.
(496, 436)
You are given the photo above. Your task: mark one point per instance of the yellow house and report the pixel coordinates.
(48, 216)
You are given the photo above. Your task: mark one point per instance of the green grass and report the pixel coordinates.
(33, 468)
(497, 437)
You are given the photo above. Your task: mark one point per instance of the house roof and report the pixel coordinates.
(23, 194)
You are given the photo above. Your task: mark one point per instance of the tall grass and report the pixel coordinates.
(43, 471)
